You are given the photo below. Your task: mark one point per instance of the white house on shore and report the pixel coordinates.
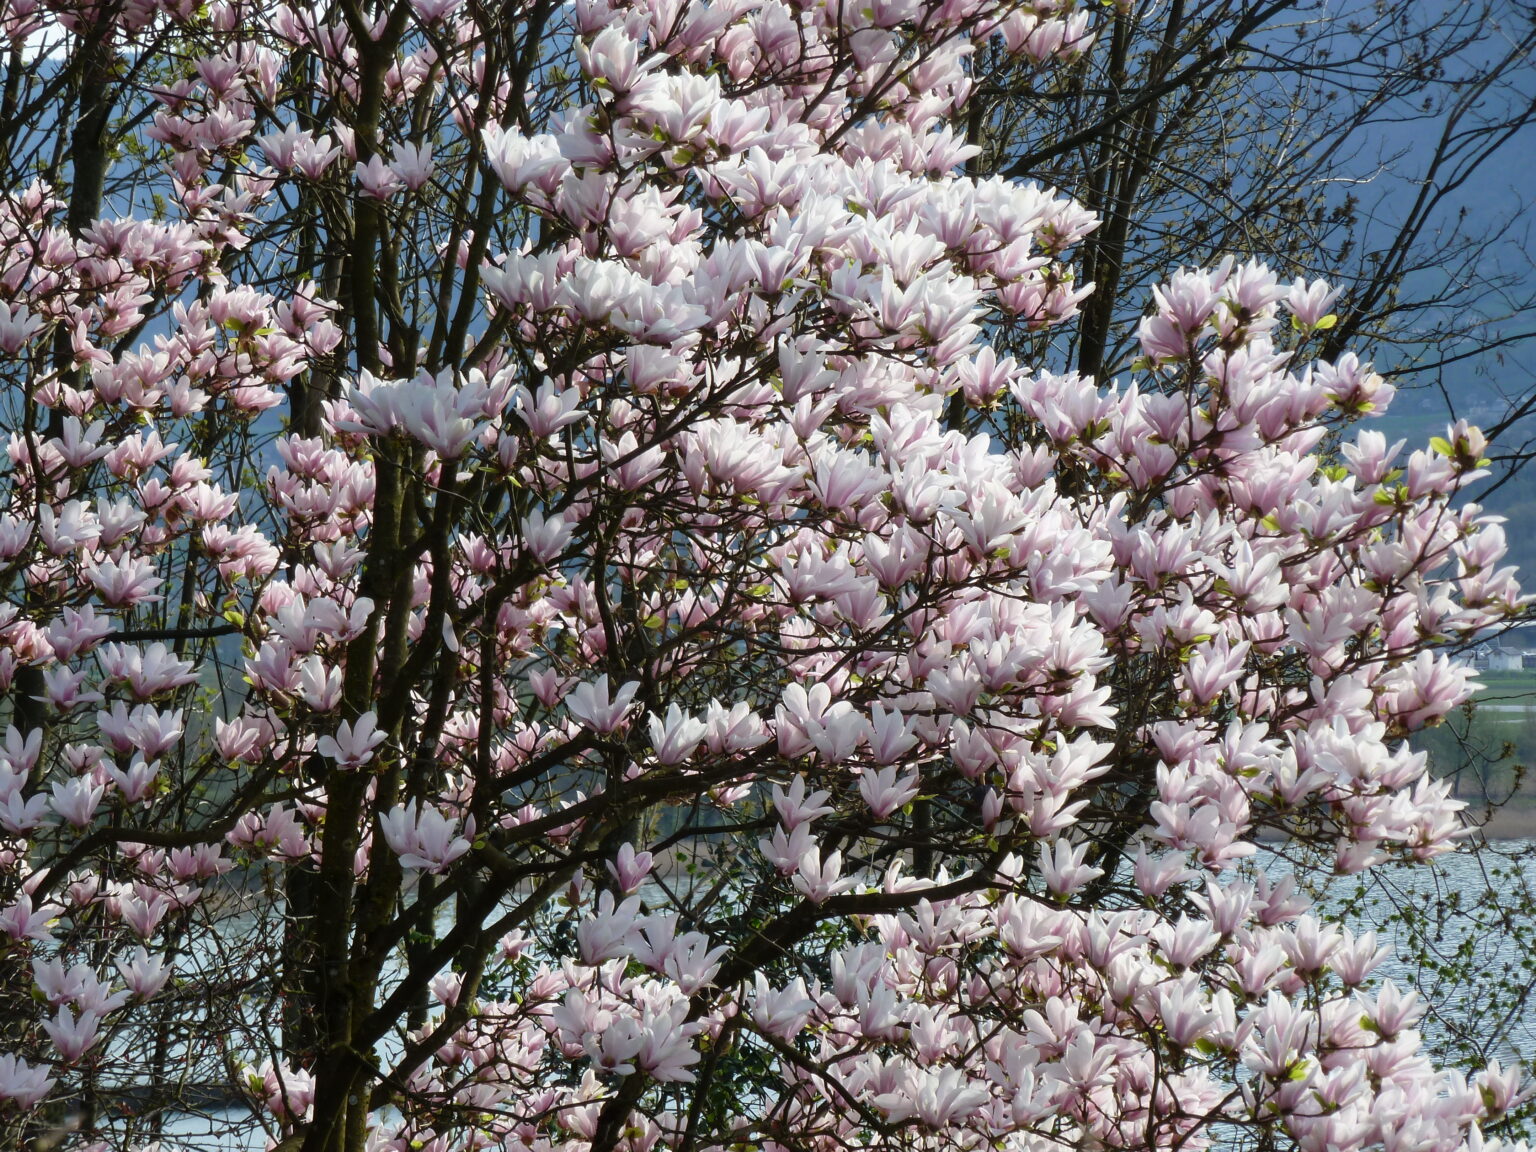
(1496, 658)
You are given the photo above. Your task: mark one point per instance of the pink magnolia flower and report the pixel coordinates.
(610, 933)
(21, 921)
(1308, 303)
(239, 739)
(613, 58)
(377, 179)
(277, 832)
(784, 848)
(795, 806)
(891, 736)
(144, 910)
(19, 753)
(73, 1036)
(70, 527)
(630, 868)
(591, 705)
(548, 410)
(20, 815)
(319, 684)
(444, 413)
(21, 1084)
(887, 789)
(354, 743)
(546, 539)
(1063, 869)
(738, 729)
(143, 974)
(781, 1012)
(58, 984)
(126, 583)
(935, 1097)
(412, 165)
(1391, 1011)
(433, 11)
(287, 1093)
(17, 327)
(675, 736)
(424, 838)
(1500, 1088)
(145, 729)
(146, 671)
(613, 1048)
(666, 1052)
(76, 800)
(820, 878)
(519, 161)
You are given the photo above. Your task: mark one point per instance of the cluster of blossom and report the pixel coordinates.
(676, 483)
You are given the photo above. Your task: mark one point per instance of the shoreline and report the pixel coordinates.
(1508, 822)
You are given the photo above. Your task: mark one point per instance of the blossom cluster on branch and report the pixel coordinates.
(513, 516)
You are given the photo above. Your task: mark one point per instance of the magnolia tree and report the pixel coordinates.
(535, 619)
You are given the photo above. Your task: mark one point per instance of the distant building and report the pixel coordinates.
(1506, 659)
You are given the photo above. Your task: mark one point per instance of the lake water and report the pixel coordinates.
(1464, 930)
